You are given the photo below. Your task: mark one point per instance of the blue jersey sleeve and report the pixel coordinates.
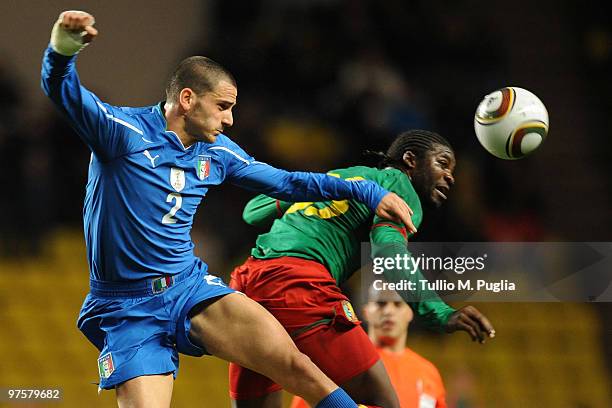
(296, 186)
(107, 130)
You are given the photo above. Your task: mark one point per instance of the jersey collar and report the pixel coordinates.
(159, 108)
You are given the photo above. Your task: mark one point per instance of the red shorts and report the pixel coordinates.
(305, 299)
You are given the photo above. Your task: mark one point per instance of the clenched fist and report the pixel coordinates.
(72, 31)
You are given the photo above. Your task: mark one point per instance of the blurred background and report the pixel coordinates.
(320, 81)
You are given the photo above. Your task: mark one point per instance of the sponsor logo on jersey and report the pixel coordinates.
(177, 179)
(151, 159)
(203, 166)
(213, 280)
(105, 365)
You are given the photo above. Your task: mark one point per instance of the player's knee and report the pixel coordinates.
(300, 364)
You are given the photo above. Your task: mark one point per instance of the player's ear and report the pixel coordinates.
(186, 99)
(409, 159)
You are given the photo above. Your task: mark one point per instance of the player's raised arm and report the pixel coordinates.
(73, 31)
(104, 128)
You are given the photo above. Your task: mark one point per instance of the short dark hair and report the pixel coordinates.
(416, 140)
(198, 73)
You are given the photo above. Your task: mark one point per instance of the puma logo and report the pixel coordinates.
(213, 280)
(152, 159)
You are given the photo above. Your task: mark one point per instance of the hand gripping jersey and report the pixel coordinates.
(144, 186)
(330, 233)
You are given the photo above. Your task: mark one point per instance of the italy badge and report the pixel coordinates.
(105, 365)
(203, 166)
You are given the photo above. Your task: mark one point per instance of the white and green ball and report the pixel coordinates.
(511, 123)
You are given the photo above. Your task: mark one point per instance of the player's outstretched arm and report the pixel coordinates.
(262, 210)
(303, 186)
(472, 321)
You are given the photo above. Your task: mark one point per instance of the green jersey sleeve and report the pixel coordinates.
(389, 239)
(262, 210)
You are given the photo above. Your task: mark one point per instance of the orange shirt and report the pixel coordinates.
(417, 381)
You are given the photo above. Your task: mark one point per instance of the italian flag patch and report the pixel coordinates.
(105, 365)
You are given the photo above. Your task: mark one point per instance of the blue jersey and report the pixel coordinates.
(144, 186)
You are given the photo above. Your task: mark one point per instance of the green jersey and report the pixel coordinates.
(331, 233)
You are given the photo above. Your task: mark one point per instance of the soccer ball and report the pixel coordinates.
(511, 123)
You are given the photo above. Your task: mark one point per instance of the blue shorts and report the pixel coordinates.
(140, 330)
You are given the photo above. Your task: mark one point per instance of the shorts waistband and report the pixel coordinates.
(289, 260)
(143, 287)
